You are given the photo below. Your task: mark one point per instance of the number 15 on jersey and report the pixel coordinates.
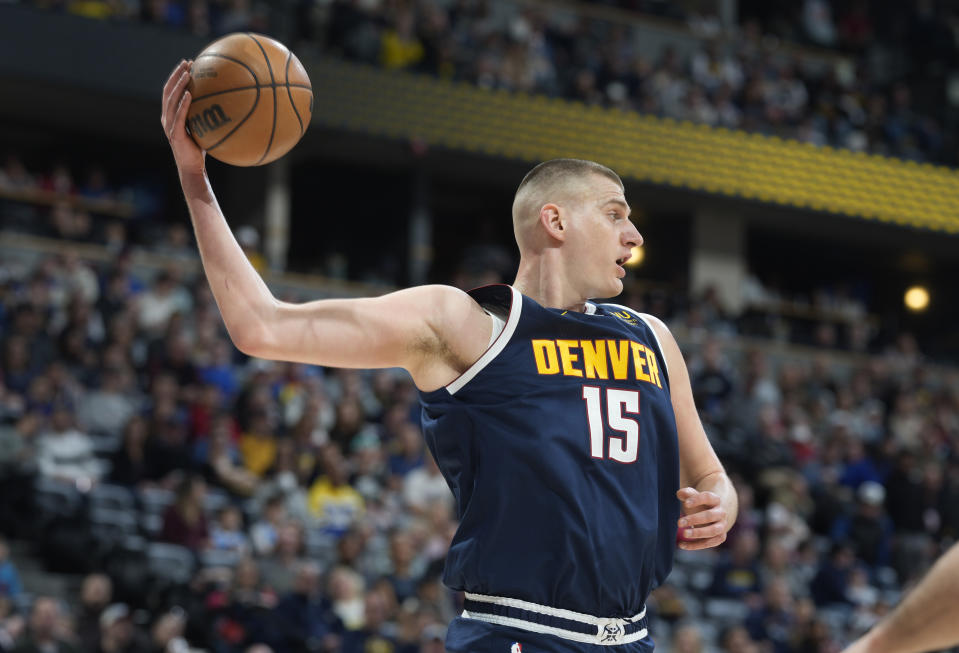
(613, 411)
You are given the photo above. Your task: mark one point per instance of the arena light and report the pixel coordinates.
(639, 255)
(916, 299)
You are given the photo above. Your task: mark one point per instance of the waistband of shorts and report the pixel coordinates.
(567, 624)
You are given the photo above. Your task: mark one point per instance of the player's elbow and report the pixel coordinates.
(251, 338)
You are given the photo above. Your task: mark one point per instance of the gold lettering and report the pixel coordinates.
(594, 358)
(653, 366)
(619, 358)
(568, 358)
(640, 362)
(544, 351)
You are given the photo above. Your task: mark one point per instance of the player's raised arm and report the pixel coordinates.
(435, 332)
(709, 501)
(926, 620)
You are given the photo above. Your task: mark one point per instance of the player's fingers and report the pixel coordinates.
(174, 75)
(168, 87)
(705, 517)
(179, 121)
(709, 499)
(704, 532)
(684, 493)
(175, 97)
(696, 545)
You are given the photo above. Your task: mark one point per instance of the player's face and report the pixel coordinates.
(603, 238)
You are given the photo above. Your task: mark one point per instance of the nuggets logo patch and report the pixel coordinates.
(628, 318)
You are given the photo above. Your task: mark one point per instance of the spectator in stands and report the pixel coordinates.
(166, 636)
(772, 623)
(220, 461)
(831, 583)
(258, 444)
(869, 528)
(409, 449)
(424, 486)
(687, 639)
(308, 613)
(736, 639)
(374, 633)
(333, 503)
(128, 464)
(44, 631)
(248, 615)
(158, 304)
(737, 573)
(279, 569)
(406, 566)
(11, 624)
(226, 533)
(118, 633)
(96, 592)
(346, 591)
(17, 442)
(10, 585)
(65, 453)
(107, 409)
(184, 521)
(265, 531)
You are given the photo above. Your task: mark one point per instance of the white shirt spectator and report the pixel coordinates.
(157, 305)
(425, 485)
(66, 453)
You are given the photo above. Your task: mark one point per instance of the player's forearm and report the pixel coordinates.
(719, 484)
(928, 618)
(244, 300)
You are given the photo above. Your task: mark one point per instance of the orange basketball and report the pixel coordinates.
(251, 99)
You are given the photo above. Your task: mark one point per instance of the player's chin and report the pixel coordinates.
(615, 288)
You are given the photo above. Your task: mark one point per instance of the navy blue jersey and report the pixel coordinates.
(560, 447)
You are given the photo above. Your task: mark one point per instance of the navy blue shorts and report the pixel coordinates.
(476, 636)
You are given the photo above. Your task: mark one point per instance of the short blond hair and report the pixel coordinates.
(553, 181)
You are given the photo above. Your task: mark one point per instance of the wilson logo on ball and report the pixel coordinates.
(210, 120)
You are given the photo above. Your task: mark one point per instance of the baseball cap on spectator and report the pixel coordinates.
(113, 614)
(872, 493)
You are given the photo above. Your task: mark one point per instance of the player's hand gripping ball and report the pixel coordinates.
(251, 100)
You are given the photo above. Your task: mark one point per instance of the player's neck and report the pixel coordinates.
(547, 286)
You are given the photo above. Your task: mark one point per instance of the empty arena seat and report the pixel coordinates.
(170, 562)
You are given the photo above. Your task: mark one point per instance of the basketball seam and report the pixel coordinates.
(286, 74)
(256, 100)
(269, 144)
(249, 88)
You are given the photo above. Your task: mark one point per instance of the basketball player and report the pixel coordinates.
(926, 620)
(566, 429)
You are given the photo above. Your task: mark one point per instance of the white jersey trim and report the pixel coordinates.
(498, 326)
(545, 609)
(498, 345)
(651, 329)
(603, 625)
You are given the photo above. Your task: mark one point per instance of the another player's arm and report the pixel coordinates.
(710, 504)
(435, 332)
(926, 620)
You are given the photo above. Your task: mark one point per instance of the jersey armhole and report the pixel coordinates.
(498, 325)
(496, 346)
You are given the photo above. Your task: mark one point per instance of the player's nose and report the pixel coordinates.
(632, 237)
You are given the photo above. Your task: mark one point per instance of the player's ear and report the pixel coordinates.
(553, 221)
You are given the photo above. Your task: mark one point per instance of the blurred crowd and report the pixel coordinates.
(235, 504)
(742, 81)
(889, 96)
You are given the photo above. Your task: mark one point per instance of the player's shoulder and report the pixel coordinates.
(653, 322)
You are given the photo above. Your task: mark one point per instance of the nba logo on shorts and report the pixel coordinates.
(516, 648)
